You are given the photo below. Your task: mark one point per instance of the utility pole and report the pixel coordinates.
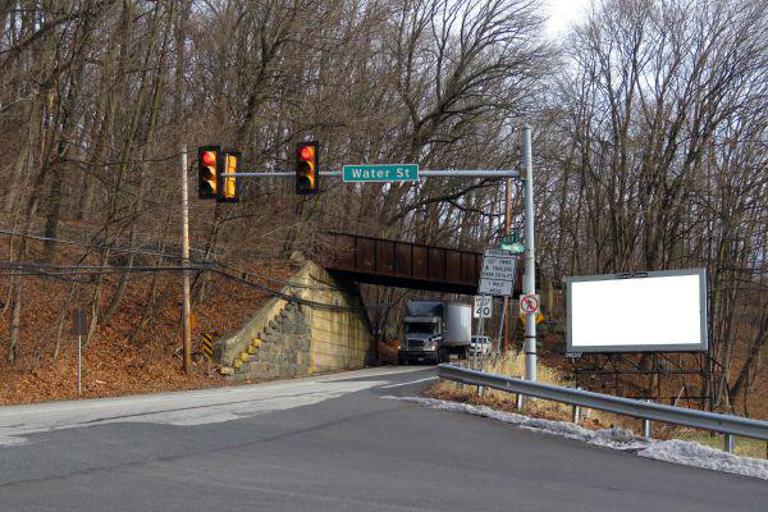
(529, 279)
(187, 328)
(506, 313)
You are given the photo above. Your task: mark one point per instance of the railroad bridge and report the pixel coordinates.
(365, 259)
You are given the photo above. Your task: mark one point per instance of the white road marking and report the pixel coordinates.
(390, 386)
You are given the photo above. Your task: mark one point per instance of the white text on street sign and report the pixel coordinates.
(380, 172)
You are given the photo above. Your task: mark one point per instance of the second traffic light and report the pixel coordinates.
(228, 185)
(308, 168)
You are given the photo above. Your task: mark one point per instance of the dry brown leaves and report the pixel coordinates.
(112, 365)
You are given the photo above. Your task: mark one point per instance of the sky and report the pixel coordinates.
(564, 12)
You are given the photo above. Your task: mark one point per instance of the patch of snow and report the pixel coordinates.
(12, 441)
(687, 453)
(700, 456)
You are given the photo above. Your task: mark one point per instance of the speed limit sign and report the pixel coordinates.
(482, 307)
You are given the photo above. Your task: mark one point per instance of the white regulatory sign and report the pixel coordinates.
(529, 303)
(482, 307)
(499, 272)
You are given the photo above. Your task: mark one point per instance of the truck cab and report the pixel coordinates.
(421, 339)
(434, 329)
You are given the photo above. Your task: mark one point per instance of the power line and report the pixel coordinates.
(290, 298)
(284, 282)
(66, 272)
(121, 250)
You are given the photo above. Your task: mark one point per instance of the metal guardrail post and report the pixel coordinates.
(576, 413)
(729, 442)
(647, 426)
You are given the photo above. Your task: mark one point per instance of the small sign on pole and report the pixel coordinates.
(530, 303)
(208, 346)
(79, 322)
(483, 306)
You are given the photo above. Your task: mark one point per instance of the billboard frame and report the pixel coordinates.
(603, 349)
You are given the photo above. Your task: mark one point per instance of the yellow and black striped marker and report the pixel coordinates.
(208, 346)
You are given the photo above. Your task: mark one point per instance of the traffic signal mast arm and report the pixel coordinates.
(442, 173)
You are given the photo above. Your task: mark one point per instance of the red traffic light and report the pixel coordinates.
(209, 158)
(208, 170)
(307, 168)
(307, 152)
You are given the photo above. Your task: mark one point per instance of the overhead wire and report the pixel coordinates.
(67, 272)
(121, 250)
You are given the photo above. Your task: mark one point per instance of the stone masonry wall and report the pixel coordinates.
(285, 339)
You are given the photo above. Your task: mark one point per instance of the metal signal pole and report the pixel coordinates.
(529, 279)
(187, 328)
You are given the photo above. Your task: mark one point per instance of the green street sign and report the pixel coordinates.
(512, 244)
(380, 173)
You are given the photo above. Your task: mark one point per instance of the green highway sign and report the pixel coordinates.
(382, 172)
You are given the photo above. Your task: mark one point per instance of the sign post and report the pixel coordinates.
(80, 324)
(482, 311)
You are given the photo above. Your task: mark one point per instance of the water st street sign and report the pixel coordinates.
(380, 172)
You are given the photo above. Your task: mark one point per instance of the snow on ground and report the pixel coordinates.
(680, 452)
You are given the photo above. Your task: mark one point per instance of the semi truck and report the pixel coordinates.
(434, 329)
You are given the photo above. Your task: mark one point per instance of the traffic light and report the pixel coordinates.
(208, 165)
(227, 186)
(308, 168)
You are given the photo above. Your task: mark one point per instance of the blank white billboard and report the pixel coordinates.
(640, 312)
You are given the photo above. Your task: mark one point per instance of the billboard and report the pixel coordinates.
(638, 312)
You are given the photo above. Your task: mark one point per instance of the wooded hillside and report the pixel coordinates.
(650, 127)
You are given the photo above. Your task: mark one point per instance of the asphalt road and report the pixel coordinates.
(325, 444)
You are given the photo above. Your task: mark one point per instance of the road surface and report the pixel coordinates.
(330, 443)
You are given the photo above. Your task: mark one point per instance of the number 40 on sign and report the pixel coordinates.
(482, 307)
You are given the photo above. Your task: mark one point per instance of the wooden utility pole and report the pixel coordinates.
(187, 328)
(507, 231)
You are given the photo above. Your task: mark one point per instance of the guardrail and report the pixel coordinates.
(648, 411)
